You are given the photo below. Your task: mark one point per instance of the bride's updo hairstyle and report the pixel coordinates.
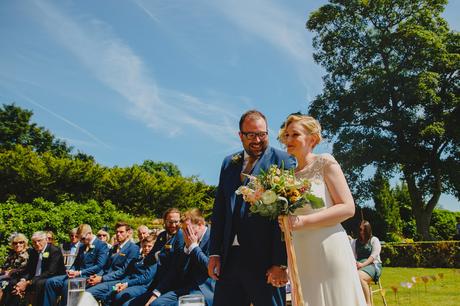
(310, 124)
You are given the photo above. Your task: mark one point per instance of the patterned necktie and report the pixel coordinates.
(247, 169)
(38, 269)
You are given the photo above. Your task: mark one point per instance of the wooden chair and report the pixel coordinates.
(69, 259)
(380, 290)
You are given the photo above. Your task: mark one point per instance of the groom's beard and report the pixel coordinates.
(256, 149)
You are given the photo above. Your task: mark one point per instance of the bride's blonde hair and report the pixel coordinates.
(310, 124)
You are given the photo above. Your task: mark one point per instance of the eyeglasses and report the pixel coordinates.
(253, 135)
(101, 235)
(18, 242)
(171, 222)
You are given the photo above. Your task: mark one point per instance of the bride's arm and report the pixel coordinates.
(343, 208)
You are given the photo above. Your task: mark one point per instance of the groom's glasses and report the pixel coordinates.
(253, 135)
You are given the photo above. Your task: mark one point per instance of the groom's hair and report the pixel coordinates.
(253, 114)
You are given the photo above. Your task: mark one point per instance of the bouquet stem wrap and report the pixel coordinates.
(296, 289)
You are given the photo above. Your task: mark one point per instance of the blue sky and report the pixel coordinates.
(127, 81)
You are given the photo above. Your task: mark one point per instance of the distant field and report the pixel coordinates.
(441, 292)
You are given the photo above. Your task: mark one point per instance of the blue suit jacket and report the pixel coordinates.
(259, 237)
(137, 272)
(159, 244)
(91, 262)
(170, 258)
(195, 270)
(119, 261)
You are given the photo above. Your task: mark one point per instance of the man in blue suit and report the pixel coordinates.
(119, 256)
(171, 220)
(123, 284)
(192, 275)
(246, 249)
(165, 277)
(91, 257)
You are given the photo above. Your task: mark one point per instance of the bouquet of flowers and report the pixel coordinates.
(277, 192)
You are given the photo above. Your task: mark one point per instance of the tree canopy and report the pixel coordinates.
(391, 95)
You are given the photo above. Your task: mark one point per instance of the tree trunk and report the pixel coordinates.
(422, 220)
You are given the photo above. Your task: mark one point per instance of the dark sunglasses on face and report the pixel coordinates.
(101, 235)
(18, 242)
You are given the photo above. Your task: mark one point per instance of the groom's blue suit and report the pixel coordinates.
(242, 279)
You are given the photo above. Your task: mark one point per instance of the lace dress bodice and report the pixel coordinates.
(314, 172)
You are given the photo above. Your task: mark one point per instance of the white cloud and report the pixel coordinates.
(115, 64)
(271, 23)
(69, 122)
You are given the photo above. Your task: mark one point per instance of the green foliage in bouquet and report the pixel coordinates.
(278, 192)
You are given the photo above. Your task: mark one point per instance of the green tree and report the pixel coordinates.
(16, 129)
(391, 94)
(387, 209)
(169, 168)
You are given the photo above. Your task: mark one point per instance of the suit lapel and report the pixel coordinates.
(234, 178)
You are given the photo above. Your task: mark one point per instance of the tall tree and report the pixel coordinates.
(16, 128)
(167, 167)
(388, 221)
(391, 94)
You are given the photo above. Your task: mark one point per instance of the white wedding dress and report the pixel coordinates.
(326, 265)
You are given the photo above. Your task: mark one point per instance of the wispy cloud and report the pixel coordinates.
(69, 122)
(115, 64)
(270, 22)
(280, 27)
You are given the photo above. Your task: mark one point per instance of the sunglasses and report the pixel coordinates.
(18, 242)
(101, 235)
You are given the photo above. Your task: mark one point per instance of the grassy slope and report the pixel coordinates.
(442, 292)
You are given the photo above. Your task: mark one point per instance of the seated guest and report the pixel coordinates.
(367, 253)
(45, 261)
(166, 261)
(137, 276)
(119, 256)
(50, 237)
(192, 274)
(91, 258)
(71, 247)
(142, 233)
(15, 264)
(171, 223)
(104, 236)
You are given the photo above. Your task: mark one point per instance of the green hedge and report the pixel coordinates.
(39, 215)
(436, 254)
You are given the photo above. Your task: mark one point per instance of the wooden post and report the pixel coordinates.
(296, 289)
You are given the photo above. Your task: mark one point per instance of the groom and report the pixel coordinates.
(246, 250)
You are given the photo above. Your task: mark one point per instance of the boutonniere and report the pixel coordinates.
(168, 246)
(46, 255)
(237, 158)
(91, 246)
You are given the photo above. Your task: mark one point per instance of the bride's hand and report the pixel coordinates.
(294, 223)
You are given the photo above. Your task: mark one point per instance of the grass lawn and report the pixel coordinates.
(441, 292)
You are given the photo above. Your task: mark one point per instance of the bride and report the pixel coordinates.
(326, 264)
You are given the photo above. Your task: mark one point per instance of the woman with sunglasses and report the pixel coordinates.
(104, 236)
(15, 264)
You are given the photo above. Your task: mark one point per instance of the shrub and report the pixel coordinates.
(27, 218)
(436, 254)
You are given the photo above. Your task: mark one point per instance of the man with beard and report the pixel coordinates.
(246, 250)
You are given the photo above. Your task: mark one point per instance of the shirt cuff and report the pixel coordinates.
(156, 293)
(190, 248)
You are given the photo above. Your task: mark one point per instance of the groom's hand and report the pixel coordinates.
(277, 276)
(214, 267)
